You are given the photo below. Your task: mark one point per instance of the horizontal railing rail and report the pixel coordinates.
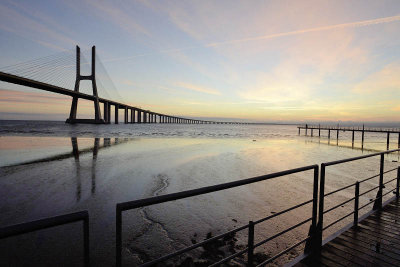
(120, 207)
(377, 201)
(23, 228)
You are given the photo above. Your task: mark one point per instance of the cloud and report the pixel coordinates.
(384, 81)
(28, 25)
(197, 88)
(356, 24)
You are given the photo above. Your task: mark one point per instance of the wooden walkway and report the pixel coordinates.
(375, 242)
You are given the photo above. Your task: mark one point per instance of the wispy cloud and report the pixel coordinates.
(29, 25)
(197, 88)
(356, 24)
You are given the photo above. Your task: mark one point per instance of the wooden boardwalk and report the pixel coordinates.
(375, 242)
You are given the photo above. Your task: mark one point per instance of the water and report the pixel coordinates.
(52, 168)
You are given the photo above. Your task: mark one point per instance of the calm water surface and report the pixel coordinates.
(51, 168)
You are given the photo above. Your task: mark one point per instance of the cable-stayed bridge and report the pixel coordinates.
(59, 72)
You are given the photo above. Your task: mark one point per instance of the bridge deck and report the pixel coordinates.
(376, 241)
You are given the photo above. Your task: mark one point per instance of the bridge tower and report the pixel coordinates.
(72, 115)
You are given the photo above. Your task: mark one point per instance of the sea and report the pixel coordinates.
(49, 168)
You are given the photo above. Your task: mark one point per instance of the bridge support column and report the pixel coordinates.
(352, 139)
(132, 115)
(116, 114)
(126, 115)
(139, 116)
(105, 106)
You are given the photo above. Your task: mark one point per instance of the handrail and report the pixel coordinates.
(359, 157)
(120, 207)
(377, 200)
(23, 228)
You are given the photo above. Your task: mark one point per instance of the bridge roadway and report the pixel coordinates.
(142, 116)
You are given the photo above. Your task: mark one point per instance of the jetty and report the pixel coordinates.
(336, 129)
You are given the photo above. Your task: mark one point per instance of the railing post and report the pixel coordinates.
(86, 240)
(378, 201)
(318, 243)
(250, 245)
(398, 182)
(118, 234)
(312, 244)
(356, 197)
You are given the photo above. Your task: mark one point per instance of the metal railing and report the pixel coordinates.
(28, 227)
(250, 226)
(377, 201)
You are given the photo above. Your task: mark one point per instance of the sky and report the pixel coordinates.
(266, 61)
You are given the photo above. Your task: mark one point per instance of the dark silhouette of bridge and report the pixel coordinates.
(131, 114)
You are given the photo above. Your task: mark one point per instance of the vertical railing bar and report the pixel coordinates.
(356, 203)
(118, 237)
(398, 182)
(86, 240)
(250, 245)
(318, 244)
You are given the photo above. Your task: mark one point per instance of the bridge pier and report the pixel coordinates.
(132, 115)
(106, 107)
(139, 116)
(116, 113)
(352, 139)
(126, 115)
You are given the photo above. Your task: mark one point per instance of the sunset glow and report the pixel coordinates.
(275, 61)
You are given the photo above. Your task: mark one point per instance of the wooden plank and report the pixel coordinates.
(384, 223)
(329, 259)
(380, 231)
(385, 244)
(381, 227)
(377, 247)
(377, 257)
(377, 235)
(342, 256)
(348, 252)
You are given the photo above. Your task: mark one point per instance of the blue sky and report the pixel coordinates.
(259, 60)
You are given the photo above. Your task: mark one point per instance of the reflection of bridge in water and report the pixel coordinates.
(76, 153)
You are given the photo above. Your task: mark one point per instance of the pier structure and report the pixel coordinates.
(362, 130)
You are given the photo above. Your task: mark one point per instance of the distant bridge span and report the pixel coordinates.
(131, 114)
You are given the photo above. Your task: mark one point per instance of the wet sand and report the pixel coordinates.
(46, 179)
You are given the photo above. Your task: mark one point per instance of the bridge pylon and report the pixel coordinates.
(74, 106)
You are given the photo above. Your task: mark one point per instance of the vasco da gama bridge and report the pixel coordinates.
(49, 74)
